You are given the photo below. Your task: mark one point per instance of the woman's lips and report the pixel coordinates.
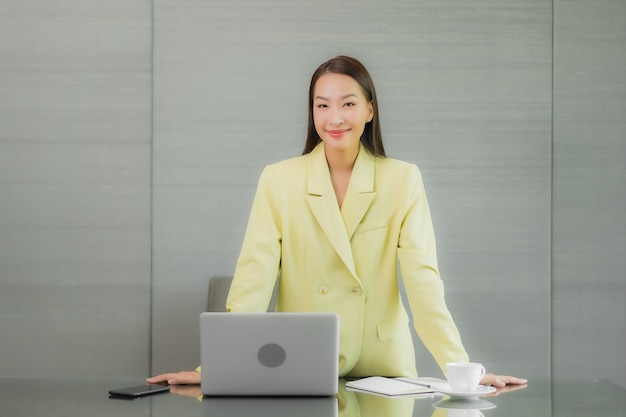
(336, 133)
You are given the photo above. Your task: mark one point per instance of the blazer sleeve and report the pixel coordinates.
(424, 287)
(258, 264)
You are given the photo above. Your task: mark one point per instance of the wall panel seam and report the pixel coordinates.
(151, 214)
(551, 246)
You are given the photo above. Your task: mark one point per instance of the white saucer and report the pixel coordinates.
(464, 404)
(447, 390)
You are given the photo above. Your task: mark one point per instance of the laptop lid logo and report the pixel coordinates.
(271, 355)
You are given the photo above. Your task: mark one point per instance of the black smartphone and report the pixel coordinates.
(139, 390)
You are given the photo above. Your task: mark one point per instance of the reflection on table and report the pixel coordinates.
(65, 397)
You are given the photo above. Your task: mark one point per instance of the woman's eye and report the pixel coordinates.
(349, 104)
(321, 106)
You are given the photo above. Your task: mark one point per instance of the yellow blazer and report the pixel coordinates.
(345, 260)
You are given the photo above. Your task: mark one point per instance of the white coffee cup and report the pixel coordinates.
(464, 376)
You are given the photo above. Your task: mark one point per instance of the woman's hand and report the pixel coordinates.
(176, 378)
(187, 391)
(500, 381)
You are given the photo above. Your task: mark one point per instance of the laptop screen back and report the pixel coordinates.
(257, 354)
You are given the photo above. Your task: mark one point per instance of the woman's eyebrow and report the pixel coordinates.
(342, 97)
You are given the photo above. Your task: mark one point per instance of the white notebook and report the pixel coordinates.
(387, 386)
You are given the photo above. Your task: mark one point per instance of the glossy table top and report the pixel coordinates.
(89, 397)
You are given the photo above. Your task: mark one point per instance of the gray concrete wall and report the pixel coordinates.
(133, 132)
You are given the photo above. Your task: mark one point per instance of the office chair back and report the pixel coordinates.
(218, 292)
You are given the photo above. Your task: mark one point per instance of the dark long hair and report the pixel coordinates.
(372, 137)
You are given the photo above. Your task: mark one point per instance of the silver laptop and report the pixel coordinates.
(280, 354)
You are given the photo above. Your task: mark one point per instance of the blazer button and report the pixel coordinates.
(323, 290)
(357, 291)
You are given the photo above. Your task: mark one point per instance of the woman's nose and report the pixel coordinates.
(337, 118)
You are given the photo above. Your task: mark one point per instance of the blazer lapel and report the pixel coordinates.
(360, 192)
(323, 204)
(339, 226)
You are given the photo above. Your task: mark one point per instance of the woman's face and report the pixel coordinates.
(340, 111)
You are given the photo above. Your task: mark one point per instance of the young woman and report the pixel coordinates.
(334, 223)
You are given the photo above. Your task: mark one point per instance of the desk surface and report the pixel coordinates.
(89, 397)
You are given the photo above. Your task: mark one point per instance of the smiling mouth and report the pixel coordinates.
(336, 133)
